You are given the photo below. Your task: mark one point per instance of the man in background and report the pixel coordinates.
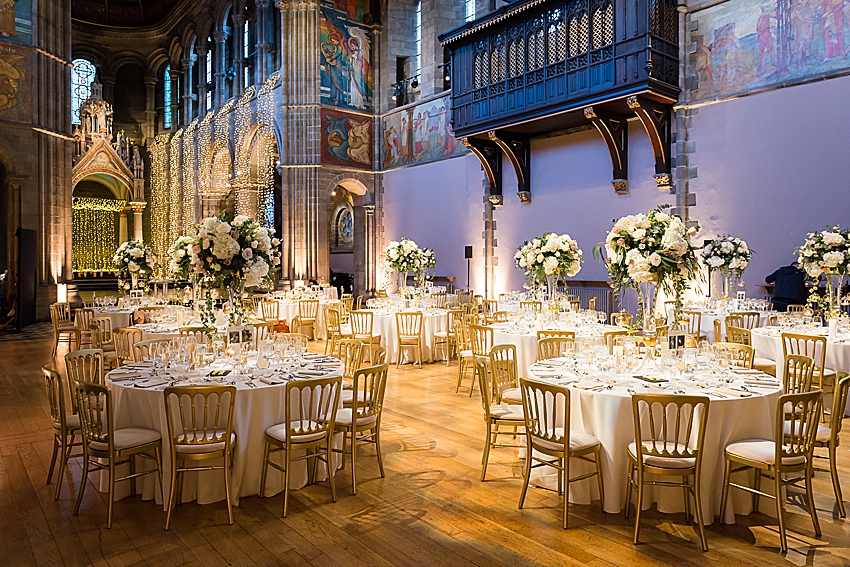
(789, 287)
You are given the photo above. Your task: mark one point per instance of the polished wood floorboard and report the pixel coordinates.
(430, 509)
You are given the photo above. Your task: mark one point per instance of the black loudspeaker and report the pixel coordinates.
(467, 252)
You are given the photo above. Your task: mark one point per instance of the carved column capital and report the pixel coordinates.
(138, 206)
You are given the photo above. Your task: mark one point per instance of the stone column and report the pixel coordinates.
(202, 79)
(149, 127)
(108, 83)
(188, 97)
(263, 47)
(138, 230)
(239, 54)
(369, 283)
(220, 65)
(122, 226)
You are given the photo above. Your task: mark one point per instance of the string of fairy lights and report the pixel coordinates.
(174, 196)
(93, 234)
(159, 199)
(189, 180)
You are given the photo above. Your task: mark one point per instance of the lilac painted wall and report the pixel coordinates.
(772, 167)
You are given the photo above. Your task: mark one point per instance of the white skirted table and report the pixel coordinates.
(258, 405)
(607, 415)
(289, 310)
(119, 317)
(708, 316)
(384, 323)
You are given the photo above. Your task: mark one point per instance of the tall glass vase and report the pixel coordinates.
(648, 297)
(727, 283)
(134, 279)
(834, 283)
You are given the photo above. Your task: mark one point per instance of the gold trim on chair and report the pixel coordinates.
(509, 415)
(65, 427)
(408, 334)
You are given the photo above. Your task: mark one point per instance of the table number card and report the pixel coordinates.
(240, 334)
(675, 340)
(742, 296)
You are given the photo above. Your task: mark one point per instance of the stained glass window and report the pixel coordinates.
(82, 76)
(417, 31)
(166, 95)
(246, 53)
(209, 78)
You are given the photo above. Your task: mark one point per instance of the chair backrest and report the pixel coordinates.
(488, 308)
(735, 320)
(481, 339)
(622, 319)
(361, 323)
(533, 305)
(311, 406)
(359, 304)
(94, 403)
(575, 304)
(553, 347)
(797, 373)
(813, 346)
(150, 349)
(346, 304)
(738, 335)
(464, 296)
(308, 309)
(105, 324)
(379, 355)
(347, 296)
(839, 402)
(270, 310)
(461, 331)
(503, 366)
(408, 324)
(484, 386)
(371, 382)
(351, 355)
(439, 299)
(547, 414)
(196, 333)
(797, 417)
(690, 321)
(452, 316)
(718, 331)
(748, 319)
(263, 331)
(664, 425)
(501, 317)
(62, 311)
(83, 318)
(55, 394)
(85, 365)
(547, 333)
(743, 355)
(591, 303)
(608, 338)
(200, 414)
(124, 339)
(795, 308)
(96, 337)
(333, 320)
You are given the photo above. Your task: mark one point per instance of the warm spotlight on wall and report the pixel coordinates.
(61, 293)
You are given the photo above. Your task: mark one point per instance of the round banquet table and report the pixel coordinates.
(256, 408)
(708, 316)
(384, 323)
(289, 310)
(119, 317)
(526, 340)
(158, 330)
(607, 415)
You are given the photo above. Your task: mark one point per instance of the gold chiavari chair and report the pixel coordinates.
(773, 320)
(85, 366)
(101, 441)
(308, 311)
(608, 337)
(795, 308)
(263, 330)
(815, 347)
(691, 322)
(362, 421)
(501, 317)
(827, 437)
(445, 340)
(533, 305)
(505, 375)
(65, 427)
(124, 339)
(359, 305)
(780, 457)
(195, 332)
(743, 355)
(346, 305)
(548, 333)
(553, 347)
(362, 329)
(738, 335)
(200, 427)
(481, 341)
(439, 299)
(270, 310)
(798, 372)
(83, 319)
(346, 296)
(333, 328)
(309, 420)
(455, 305)
(464, 296)
(257, 300)
(380, 357)
(465, 358)
(591, 303)
(718, 331)
(351, 355)
(575, 304)
(105, 324)
(408, 334)
(552, 443)
(60, 317)
(495, 415)
(664, 429)
(747, 319)
(150, 349)
(488, 309)
(109, 359)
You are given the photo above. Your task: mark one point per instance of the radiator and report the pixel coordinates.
(604, 297)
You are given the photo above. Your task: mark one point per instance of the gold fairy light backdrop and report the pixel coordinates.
(159, 200)
(93, 233)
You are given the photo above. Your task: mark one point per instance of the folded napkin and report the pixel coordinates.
(546, 373)
(732, 393)
(272, 379)
(313, 355)
(552, 362)
(746, 371)
(589, 385)
(151, 383)
(306, 372)
(759, 382)
(116, 376)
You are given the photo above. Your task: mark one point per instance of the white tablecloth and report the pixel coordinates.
(706, 325)
(385, 324)
(256, 409)
(158, 331)
(607, 415)
(526, 342)
(120, 318)
(289, 310)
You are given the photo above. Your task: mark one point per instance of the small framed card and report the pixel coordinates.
(240, 334)
(742, 296)
(675, 340)
(137, 293)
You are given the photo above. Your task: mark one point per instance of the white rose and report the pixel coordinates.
(832, 238)
(655, 259)
(715, 261)
(223, 228)
(832, 259)
(638, 233)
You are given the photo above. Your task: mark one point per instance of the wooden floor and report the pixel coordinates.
(430, 509)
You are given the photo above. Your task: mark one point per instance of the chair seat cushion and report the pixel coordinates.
(466, 354)
(507, 412)
(345, 329)
(663, 462)
(343, 417)
(760, 451)
(348, 396)
(765, 365)
(579, 441)
(280, 430)
(444, 334)
(822, 435)
(128, 438)
(205, 448)
(512, 395)
(71, 422)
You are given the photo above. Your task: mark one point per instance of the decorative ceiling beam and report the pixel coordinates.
(490, 155)
(655, 118)
(518, 150)
(614, 129)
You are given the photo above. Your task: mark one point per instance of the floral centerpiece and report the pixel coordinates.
(827, 252)
(728, 254)
(180, 258)
(548, 258)
(648, 252)
(134, 260)
(405, 256)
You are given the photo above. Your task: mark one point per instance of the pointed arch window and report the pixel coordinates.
(166, 97)
(209, 78)
(82, 75)
(246, 53)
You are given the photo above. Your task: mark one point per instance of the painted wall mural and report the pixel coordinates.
(15, 95)
(16, 20)
(750, 45)
(346, 62)
(356, 10)
(419, 134)
(346, 139)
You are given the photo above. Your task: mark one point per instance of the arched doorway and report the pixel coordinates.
(341, 240)
(98, 224)
(350, 234)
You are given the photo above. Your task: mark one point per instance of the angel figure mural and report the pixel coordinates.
(360, 72)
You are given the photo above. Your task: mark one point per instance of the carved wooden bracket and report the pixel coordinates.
(518, 150)
(655, 118)
(614, 129)
(490, 155)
